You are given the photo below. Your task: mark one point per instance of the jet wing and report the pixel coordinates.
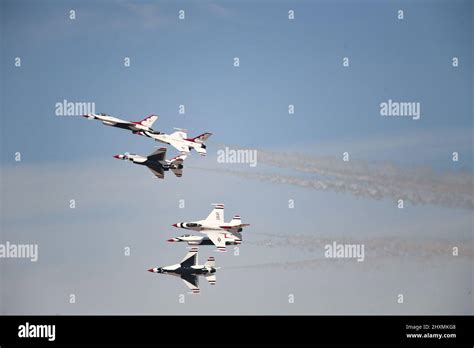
(191, 282)
(181, 134)
(217, 238)
(217, 214)
(158, 155)
(190, 259)
(158, 171)
(179, 146)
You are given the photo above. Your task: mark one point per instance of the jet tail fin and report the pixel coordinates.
(211, 279)
(235, 224)
(235, 220)
(177, 172)
(176, 165)
(149, 120)
(200, 138)
(211, 262)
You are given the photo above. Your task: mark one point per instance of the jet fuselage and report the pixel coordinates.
(198, 269)
(119, 123)
(167, 139)
(137, 159)
(202, 225)
(230, 239)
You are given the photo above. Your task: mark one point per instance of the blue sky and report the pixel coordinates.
(190, 62)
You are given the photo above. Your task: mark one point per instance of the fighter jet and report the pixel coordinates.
(135, 127)
(189, 270)
(216, 230)
(180, 140)
(234, 238)
(157, 163)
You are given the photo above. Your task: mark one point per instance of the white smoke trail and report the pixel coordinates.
(376, 174)
(376, 250)
(390, 189)
(362, 179)
(302, 264)
(375, 247)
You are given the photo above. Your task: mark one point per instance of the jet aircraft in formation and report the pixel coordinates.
(135, 127)
(156, 161)
(215, 231)
(189, 270)
(180, 140)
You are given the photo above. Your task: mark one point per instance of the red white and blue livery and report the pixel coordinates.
(157, 162)
(189, 270)
(135, 126)
(216, 231)
(180, 140)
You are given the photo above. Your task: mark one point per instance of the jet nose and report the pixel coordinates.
(175, 225)
(117, 156)
(172, 240)
(151, 270)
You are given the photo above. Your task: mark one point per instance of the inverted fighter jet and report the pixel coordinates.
(157, 163)
(219, 232)
(189, 270)
(229, 239)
